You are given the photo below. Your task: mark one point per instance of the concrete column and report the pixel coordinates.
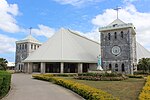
(42, 67)
(61, 67)
(80, 68)
(29, 68)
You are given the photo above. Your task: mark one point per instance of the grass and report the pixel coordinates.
(125, 90)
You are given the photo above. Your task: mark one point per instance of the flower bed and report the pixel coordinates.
(145, 93)
(5, 80)
(101, 76)
(85, 91)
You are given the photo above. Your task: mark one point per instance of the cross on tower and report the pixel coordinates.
(117, 9)
(30, 30)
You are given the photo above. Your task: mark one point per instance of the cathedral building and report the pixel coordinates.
(69, 52)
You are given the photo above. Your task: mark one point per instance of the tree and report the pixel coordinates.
(144, 64)
(3, 64)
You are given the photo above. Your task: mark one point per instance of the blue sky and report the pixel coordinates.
(83, 16)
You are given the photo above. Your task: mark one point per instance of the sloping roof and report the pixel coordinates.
(142, 52)
(117, 24)
(66, 46)
(117, 21)
(29, 38)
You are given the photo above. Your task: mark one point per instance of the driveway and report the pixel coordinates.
(26, 88)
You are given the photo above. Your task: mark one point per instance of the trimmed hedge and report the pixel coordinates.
(87, 92)
(135, 76)
(65, 75)
(5, 80)
(145, 93)
(101, 76)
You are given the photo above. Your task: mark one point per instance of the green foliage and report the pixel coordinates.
(145, 93)
(101, 76)
(5, 80)
(144, 64)
(141, 73)
(3, 64)
(87, 92)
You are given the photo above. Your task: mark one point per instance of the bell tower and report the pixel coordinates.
(118, 47)
(24, 48)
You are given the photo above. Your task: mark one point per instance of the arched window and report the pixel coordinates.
(122, 34)
(20, 46)
(116, 67)
(115, 35)
(122, 67)
(109, 36)
(110, 66)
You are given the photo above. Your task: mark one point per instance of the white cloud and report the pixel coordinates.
(77, 2)
(130, 0)
(8, 12)
(43, 31)
(7, 44)
(128, 14)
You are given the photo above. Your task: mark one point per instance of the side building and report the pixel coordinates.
(118, 47)
(24, 48)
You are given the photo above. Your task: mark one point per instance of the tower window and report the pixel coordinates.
(109, 36)
(116, 67)
(110, 66)
(115, 35)
(122, 34)
(122, 66)
(20, 46)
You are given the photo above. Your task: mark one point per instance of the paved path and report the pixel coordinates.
(26, 88)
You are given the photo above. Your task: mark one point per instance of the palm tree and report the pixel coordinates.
(3, 64)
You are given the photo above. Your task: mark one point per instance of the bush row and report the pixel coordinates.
(141, 73)
(135, 76)
(145, 93)
(65, 75)
(92, 78)
(5, 80)
(87, 92)
(101, 74)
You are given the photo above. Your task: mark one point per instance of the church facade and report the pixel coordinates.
(118, 47)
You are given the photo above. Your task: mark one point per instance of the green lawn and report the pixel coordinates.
(125, 90)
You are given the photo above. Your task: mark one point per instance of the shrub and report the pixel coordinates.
(87, 92)
(135, 76)
(5, 80)
(141, 73)
(101, 76)
(145, 93)
(65, 75)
